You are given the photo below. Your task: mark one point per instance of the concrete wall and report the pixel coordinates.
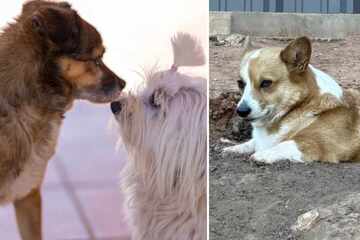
(335, 26)
(220, 23)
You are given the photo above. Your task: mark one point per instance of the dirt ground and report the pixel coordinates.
(250, 201)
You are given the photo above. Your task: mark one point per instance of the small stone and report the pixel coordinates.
(213, 38)
(234, 39)
(341, 220)
(306, 221)
(220, 43)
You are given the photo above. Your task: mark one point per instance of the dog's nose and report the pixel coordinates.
(115, 107)
(243, 110)
(122, 83)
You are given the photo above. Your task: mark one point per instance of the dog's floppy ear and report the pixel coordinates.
(38, 24)
(297, 54)
(60, 25)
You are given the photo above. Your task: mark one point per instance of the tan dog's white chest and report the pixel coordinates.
(264, 140)
(33, 172)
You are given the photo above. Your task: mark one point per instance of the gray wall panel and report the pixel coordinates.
(289, 6)
(312, 6)
(307, 6)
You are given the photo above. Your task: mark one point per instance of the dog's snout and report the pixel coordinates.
(109, 86)
(115, 107)
(112, 84)
(243, 110)
(111, 81)
(121, 83)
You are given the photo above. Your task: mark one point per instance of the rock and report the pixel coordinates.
(213, 38)
(220, 43)
(222, 110)
(234, 39)
(306, 221)
(339, 221)
(217, 38)
(224, 105)
(241, 130)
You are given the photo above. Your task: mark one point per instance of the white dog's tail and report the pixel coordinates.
(187, 51)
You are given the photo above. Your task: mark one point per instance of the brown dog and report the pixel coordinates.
(48, 58)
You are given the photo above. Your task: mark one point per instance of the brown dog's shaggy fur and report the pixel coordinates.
(49, 57)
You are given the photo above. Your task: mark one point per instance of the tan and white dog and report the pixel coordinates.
(164, 129)
(297, 112)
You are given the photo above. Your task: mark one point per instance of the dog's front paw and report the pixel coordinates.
(244, 148)
(263, 157)
(228, 151)
(284, 151)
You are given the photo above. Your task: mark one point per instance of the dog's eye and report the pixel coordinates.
(241, 84)
(265, 83)
(97, 62)
(152, 101)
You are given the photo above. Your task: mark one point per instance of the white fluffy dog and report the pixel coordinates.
(163, 126)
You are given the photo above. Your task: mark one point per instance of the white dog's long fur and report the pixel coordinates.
(164, 129)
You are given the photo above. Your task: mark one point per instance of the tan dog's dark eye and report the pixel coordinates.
(241, 84)
(265, 83)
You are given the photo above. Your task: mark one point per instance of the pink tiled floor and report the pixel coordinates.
(81, 195)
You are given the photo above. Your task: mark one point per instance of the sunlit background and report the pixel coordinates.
(81, 194)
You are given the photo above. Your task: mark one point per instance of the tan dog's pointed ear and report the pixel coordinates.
(297, 54)
(247, 46)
